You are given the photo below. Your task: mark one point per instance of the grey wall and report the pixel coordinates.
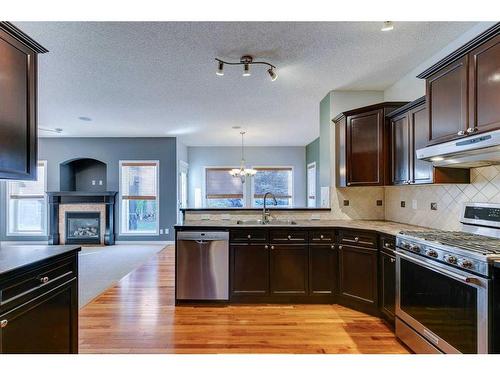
(111, 151)
(200, 157)
(312, 156)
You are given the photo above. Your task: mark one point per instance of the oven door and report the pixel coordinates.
(446, 306)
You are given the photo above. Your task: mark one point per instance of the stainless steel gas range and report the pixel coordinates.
(445, 284)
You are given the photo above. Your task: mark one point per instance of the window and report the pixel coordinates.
(139, 197)
(222, 189)
(278, 181)
(27, 205)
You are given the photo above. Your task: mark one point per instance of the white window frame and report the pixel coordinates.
(292, 199)
(309, 166)
(45, 215)
(122, 231)
(183, 168)
(204, 184)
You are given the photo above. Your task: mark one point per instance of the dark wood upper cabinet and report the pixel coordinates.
(409, 132)
(484, 86)
(400, 132)
(446, 92)
(18, 103)
(463, 90)
(421, 171)
(362, 145)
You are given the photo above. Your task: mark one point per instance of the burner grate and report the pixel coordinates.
(461, 240)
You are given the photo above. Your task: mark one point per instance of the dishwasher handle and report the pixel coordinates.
(203, 236)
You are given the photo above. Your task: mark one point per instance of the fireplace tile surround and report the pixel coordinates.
(73, 201)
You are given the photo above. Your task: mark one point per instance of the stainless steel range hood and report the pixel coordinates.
(469, 152)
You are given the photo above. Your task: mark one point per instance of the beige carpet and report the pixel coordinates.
(102, 267)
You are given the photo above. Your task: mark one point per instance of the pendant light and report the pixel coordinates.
(242, 172)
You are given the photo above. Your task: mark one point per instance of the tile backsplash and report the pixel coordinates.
(484, 187)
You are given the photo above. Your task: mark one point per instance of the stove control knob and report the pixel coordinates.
(466, 263)
(431, 253)
(451, 259)
(405, 245)
(415, 248)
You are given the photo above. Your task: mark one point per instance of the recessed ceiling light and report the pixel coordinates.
(84, 118)
(388, 26)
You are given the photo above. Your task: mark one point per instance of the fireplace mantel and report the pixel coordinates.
(57, 198)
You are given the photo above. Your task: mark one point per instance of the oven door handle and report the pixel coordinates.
(453, 275)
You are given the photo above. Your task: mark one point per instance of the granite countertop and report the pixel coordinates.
(387, 227)
(16, 256)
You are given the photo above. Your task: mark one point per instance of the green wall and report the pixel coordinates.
(324, 140)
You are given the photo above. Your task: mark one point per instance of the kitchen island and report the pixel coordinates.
(39, 299)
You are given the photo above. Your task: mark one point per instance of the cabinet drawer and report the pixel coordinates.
(322, 236)
(248, 235)
(27, 285)
(288, 236)
(358, 238)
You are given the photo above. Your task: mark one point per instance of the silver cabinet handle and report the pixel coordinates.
(340, 247)
(388, 245)
(4, 323)
(332, 247)
(356, 239)
(266, 247)
(348, 184)
(321, 237)
(249, 236)
(393, 260)
(289, 237)
(461, 132)
(471, 130)
(272, 247)
(44, 280)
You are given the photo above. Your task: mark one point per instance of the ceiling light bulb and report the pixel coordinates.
(273, 74)
(220, 69)
(388, 26)
(246, 71)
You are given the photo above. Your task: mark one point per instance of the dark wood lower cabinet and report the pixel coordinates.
(358, 277)
(47, 324)
(250, 270)
(387, 269)
(289, 270)
(322, 270)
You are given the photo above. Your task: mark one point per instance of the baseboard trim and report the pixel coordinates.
(22, 243)
(139, 242)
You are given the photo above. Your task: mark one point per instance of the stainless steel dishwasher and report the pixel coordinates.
(202, 265)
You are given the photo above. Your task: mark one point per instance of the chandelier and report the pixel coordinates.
(242, 172)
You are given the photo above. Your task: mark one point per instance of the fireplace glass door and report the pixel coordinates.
(83, 227)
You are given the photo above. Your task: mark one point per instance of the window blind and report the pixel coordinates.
(220, 184)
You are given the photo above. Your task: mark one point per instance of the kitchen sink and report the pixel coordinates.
(270, 223)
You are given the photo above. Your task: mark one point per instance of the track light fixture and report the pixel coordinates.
(220, 69)
(246, 61)
(388, 26)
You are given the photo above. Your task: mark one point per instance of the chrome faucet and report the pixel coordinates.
(265, 211)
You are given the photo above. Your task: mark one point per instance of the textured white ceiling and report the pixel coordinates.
(158, 79)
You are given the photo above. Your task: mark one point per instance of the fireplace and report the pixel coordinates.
(83, 228)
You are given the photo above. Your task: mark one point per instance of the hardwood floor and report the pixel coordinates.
(138, 315)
